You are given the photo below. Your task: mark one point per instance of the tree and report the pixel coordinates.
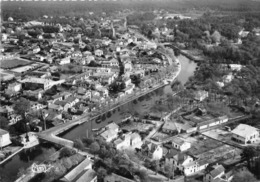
(67, 163)
(21, 172)
(142, 175)
(136, 79)
(87, 141)
(101, 173)
(94, 148)
(249, 153)
(244, 176)
(216, 37)
(155, 166)
(3, 122)
(79, 144)
(66, 152)
(168, 171)
(22, 106)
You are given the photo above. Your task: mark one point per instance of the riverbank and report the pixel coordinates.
(10, 156)
(11, 167)
(51, 134)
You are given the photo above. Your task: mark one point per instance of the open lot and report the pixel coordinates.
(13, 63)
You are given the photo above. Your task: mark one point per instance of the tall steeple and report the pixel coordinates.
(125, 23)
(113, 30)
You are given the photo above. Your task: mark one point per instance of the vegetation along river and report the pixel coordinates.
(187, 69)
(24, 159)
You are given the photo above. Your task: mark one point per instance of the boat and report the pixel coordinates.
(98, 121)
(96, 129)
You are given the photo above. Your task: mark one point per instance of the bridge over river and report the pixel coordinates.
(51, 134)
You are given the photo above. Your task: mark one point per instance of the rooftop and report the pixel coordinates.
(178, 140)
(88, 176)
(72, 175)
(217, 170)
(243, 130)
(3, 132)
(169, 125)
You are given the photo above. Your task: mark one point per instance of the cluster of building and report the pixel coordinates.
(33, 61)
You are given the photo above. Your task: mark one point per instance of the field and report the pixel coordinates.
(13, 63)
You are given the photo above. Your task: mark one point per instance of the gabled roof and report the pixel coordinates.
(172, 152)
(3, 132)
(88, 176)
(169, 125)
(178, 140)
(112, 126)
(108, 133)
(218, 170)
(72, 175)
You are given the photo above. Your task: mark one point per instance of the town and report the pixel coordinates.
(129, 95)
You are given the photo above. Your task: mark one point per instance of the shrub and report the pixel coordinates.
(66, 152)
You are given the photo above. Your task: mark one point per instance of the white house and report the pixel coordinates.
(235, 67)
(36, 105)
(128, 66)
(201, 95)
(130, 139)
(129, 89)
(15, 87)
(154, 151)
(111, 132)
(98, 52)
(157, 152)
(194, 167)
(36, 50)
(180, 144)
(245, 134)
(223, 119)
(4, 138)
(65, 60)
(14, 119)
(228, 78)
(4, 37)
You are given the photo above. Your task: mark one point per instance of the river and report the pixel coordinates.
(25, 158)
(187, 69)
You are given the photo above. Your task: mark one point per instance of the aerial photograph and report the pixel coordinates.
(130, 91)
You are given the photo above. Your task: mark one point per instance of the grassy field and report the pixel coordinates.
(13, 63)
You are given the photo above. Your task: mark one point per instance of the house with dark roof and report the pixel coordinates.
(180, 144)
(152, 151)
(216, 173)
(169, 127)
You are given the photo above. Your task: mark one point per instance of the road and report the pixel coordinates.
(51, 134)
(231, 120)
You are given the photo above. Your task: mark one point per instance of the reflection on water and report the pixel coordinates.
(142, 105)
(25, 158)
